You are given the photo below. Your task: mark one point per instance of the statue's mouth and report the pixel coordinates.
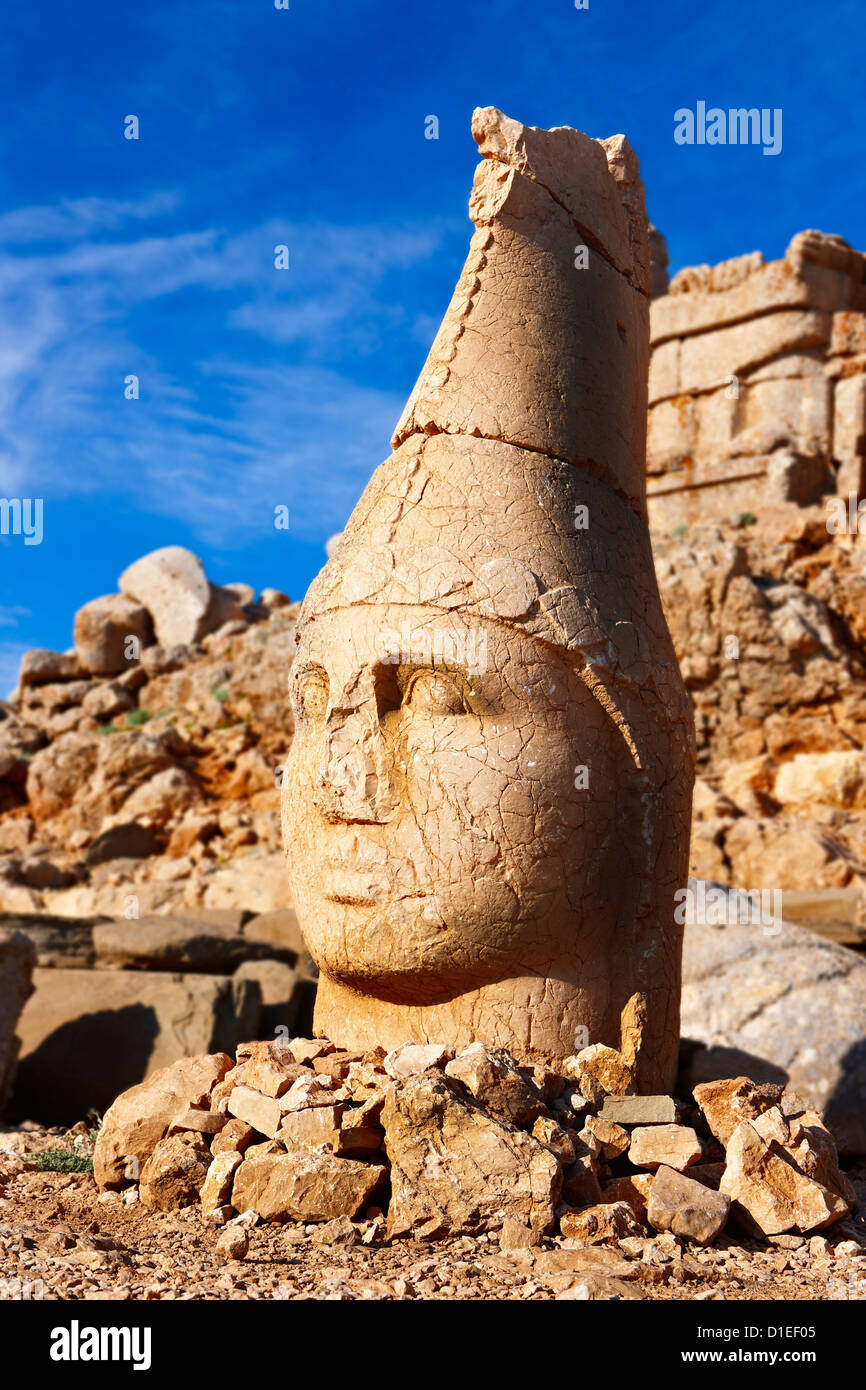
(353, 886)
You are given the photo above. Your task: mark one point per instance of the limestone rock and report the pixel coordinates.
(639, 1110)
(409, 1059)
(171, 584)
(305, 1187)
(685, 1207)
(455, 1168)
(40, 666)
(103, 628)
(17, 959)
(610, 1221)
(232, 1244)
(769, 1193)
(492, 1076)
(725, 1103)
(778, 1006)
(634, 1190)
(175, 1172)
(234, 1137)
(672, 1146)
(217, 1186)
(603, 1065)
(140, 1117)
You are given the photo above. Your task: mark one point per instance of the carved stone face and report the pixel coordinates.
(451, 806)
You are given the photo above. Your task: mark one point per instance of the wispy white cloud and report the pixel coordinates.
(258, 404)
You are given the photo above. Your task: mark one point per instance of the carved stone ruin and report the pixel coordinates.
(757, 384)
(486, 809)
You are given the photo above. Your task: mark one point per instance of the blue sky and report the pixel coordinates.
(259, 126)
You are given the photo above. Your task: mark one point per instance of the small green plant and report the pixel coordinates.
(63, 1161)
(108, 729)
(220, 693)
(747, 518)
(136, 717)
(680, 530)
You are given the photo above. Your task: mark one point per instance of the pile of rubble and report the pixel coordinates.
(140, 769)
(423, 1144)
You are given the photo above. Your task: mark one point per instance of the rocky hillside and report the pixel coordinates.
(139, 770)
(768, 616)
(143, 776)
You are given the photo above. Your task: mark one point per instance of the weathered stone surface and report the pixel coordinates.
(306, 1131)
(687, 1208)
(725, 1103)
(634, 1189)
(610, 1221)
(770, 1194)
(262, 1112)
(175, 1173)
(103, 628)
(235, 1136)
(410, 1059)
(172, 585)
(674, 1146)
(527, 419)
(305, 1187)
(106, 1030)
(776, 1006)
(141, 1116)
(232, 1244)
(639, 1110)
(455, 1168)
(40, 666)
(161, 943)
(612, 1139)
(601, 1065)
(17, 960)
(217, 1186)
(491, 1075)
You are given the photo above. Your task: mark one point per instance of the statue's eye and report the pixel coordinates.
(435, 692)
(311, 695)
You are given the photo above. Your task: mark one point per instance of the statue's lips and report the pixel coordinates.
(342, 885)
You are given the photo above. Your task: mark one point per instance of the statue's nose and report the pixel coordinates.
(354, 781)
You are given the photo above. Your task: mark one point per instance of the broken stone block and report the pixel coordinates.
(456, 1169)
(305, 1187)
(639, 1110)
(141, 1116)
(725, 1103)
(234, 1137)
(233, 1243)
(675, 1146)
(634, 1189)
(580, 1187)
(103, 628)
(217, 1186)
(605, 1222)
(175, 1173)
(262, 1112)
(769, 1194)
(612, 1139)
(105, 1031)
(686, 1208)
(516, 1235)
(604, 1065)
(493, 1078)
(340, 1232)
(411, 1058)
(17, 959)
(311, 1129)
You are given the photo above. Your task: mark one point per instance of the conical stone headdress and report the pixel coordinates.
(516, 490)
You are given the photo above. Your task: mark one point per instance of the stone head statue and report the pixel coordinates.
(487, 804)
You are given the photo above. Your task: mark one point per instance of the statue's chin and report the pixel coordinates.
(410, 963)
